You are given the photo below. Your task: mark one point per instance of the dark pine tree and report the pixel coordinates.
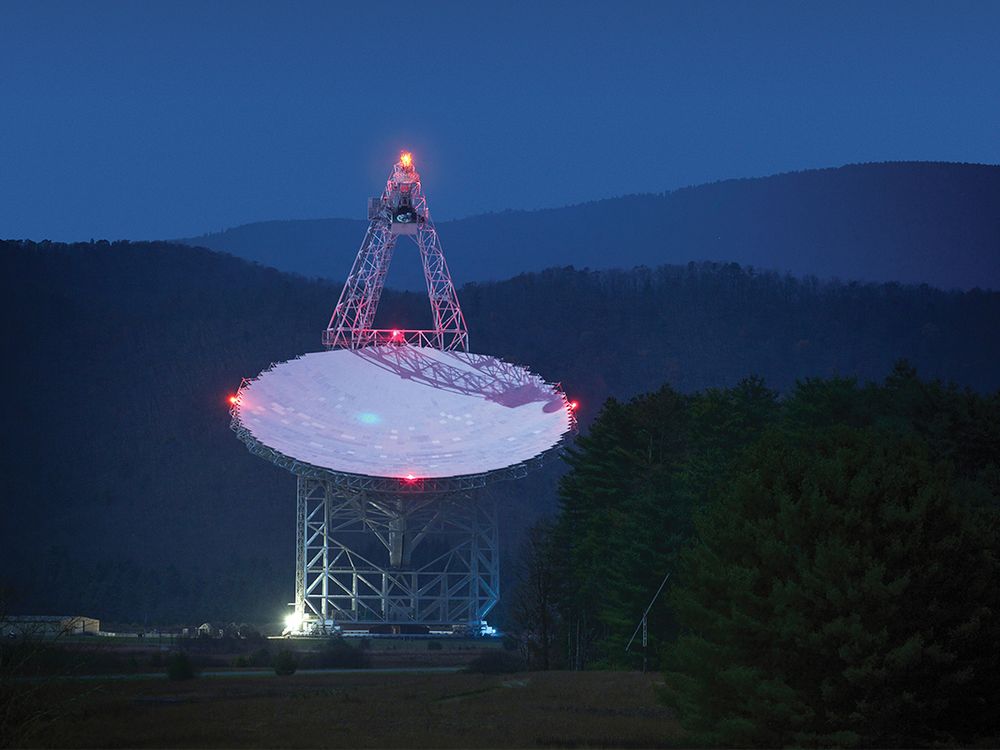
(841, 591)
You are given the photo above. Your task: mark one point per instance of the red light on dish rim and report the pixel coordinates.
(233, 399)
(409, 479)
(574, 405)
(396, 333)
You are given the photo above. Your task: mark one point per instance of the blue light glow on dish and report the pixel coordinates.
(367, 417)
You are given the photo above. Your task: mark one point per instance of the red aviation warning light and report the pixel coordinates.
(406, 159)
(232, 399)
(574, 405)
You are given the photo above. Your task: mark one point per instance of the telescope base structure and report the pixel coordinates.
(379, 562)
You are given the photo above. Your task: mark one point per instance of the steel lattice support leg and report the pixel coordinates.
(325, 607)
(300, 548)
(355, 310)
(487, 550)
(447, 314)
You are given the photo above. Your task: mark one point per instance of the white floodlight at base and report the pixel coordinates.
(293, 623)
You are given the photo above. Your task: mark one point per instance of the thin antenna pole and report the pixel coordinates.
(643, 624)
(576, 666)
(645, 642)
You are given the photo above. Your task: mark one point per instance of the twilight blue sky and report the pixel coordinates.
(152, 119)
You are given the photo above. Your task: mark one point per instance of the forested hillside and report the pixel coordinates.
(117, 457)
(832, 560)
(910, 222)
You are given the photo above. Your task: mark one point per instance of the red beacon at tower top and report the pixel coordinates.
(402, 204)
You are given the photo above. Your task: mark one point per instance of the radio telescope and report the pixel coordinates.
(393, 434)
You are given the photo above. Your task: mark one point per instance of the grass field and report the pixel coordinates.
(538, 709)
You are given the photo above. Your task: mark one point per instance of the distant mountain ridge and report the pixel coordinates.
(910, 222)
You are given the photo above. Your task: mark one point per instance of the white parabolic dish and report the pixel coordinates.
(402, 411)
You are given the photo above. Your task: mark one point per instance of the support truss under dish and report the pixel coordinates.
(372, 560)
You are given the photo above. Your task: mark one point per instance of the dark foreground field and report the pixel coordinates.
(541, 709)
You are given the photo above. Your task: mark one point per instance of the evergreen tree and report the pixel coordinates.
(627, 504)
(534, 612)
(840, 592)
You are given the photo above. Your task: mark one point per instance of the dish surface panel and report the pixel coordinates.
(403, 411)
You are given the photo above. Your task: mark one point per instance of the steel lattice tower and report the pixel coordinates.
(400, 211)
(460, 583)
